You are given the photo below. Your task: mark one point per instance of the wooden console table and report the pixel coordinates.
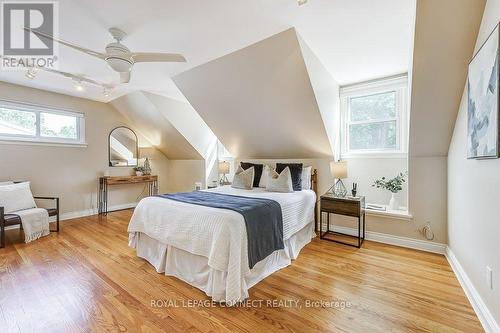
(104, 182)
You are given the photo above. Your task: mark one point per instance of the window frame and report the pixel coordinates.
(38, 138)
(398, 85)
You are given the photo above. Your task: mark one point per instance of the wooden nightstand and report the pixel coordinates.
(348, 206)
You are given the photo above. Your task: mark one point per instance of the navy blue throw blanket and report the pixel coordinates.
(263, 219)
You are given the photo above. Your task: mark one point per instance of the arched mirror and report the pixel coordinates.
(123, 148)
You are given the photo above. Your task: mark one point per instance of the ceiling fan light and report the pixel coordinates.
(301, 2)
(31, 73)
(119, 64)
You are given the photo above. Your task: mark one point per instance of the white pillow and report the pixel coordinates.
(6, 183)
(16, 197)
(306, 178)
(265, 174)
(281, 182)
(243, 178)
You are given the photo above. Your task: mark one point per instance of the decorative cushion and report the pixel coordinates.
(243, 178)
(295, 170)
(16, 197)
(258, 171)
(280, 182)
(265, 175)
(306, 178)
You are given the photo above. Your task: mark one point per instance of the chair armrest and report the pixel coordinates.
(46, 198)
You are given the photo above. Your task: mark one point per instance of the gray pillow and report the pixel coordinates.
(243, 178)
(280, 182)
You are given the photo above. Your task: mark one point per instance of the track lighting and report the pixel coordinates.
(106, 92)
(31, 73)
(78, 84)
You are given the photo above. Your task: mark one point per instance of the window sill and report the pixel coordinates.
(44, 143)
(373, 155)
(393, 214)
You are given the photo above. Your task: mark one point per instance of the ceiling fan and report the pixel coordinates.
(117, 55)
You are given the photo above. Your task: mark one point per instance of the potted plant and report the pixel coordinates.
(139, 171)
(393, 185)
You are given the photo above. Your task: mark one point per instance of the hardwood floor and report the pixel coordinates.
(87, 279)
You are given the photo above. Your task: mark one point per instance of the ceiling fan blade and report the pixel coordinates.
(155, 57)
(125, 77)
(68, 44)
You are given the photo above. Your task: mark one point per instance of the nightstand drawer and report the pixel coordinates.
(349, 208)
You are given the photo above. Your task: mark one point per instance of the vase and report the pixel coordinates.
(138, 173)
(393, 203)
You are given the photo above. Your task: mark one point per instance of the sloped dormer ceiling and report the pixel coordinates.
(155, 127)
(259, 101)
(443, 47)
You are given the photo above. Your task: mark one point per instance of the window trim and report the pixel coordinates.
(38, 139)
(393, 84)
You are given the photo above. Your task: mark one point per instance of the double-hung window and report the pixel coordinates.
(374, 118)
(21, 122)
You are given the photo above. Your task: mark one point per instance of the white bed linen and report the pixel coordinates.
(194, 269)
(216, 234)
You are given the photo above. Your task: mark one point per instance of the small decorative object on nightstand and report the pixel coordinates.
(339, 172)
(354, 190)
(348, 206)
(224, 170)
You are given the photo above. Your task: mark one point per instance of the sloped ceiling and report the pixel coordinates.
(443, 47)
(356, 40)
(259, 101)
(187, 121)
(326, 91)
(155, 127)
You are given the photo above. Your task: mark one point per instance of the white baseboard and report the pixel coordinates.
(397, 240)
(83, 213)
(483, 313)
(93, 211)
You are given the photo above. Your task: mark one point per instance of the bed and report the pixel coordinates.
(206, 247)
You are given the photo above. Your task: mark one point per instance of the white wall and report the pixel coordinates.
(71, 173)
(183, 174)
(473, 198)
(364, 171)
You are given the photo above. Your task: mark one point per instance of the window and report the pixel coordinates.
(374, 118)
(24, 122)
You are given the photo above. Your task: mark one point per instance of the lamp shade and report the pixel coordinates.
(224, 167)
(338, 169)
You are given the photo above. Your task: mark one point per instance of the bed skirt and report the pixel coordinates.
(194, 269)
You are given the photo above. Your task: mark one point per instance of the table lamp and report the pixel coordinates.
(224, 170)
(339, 172)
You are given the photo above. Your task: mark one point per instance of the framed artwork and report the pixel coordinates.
(482, 110)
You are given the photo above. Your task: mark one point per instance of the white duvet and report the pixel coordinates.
(217, 234)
